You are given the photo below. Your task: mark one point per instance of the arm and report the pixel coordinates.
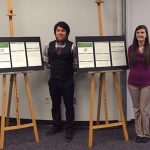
(129, 53)
(45, 56)
(74, 53)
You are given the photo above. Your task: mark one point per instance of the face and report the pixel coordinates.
(60, 34)
(141, 35)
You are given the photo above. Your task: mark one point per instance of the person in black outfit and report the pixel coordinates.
(61, 54)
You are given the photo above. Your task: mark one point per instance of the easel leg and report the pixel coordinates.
(3, 112)
(9, 99)
(101, 79)
(91, 111)
(105, 99)
(16, 100)
(117, 91)
(31, 107)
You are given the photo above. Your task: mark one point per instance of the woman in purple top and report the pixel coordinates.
(139, 82)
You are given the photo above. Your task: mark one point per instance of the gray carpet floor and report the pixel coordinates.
(104, 139)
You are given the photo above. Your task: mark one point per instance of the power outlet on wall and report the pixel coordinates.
(47, 100)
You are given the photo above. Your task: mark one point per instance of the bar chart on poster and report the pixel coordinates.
(20, 54)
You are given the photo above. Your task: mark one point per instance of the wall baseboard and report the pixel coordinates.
(77, 123)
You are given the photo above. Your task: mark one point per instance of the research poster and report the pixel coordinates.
(85, 54)
(19, 54)
(99, 53)
(5, 61)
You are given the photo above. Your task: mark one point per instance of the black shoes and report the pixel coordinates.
(68, 132)
(54, 130)
(139, 139)
(142, 139)
(145, 139)
(69, 135)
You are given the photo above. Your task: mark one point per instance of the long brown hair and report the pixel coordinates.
(135, 46)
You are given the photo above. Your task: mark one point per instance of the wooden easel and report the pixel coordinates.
(102, 91)
(13, 82)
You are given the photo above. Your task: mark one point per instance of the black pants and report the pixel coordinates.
(59, 89)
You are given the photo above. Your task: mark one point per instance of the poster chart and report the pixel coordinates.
(99, 53)
(19, 54)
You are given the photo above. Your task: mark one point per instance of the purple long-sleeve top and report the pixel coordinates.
(140, 74)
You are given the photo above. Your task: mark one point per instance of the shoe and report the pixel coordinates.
(54, 130)
(139, 139)
(145, 139)
(69, 135)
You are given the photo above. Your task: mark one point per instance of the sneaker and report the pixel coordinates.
(54, 130)
(145, 139)
(139, 139)
(69, 135)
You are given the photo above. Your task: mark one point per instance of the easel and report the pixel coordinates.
(102, 90)
(13, 82)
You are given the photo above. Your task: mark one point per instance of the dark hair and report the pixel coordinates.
(135, 46)
(63, 25)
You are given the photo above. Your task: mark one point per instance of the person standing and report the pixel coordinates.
(139, 82)
(61, 57)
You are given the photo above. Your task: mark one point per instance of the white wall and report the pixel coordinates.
(37, 18)
(137, 13)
